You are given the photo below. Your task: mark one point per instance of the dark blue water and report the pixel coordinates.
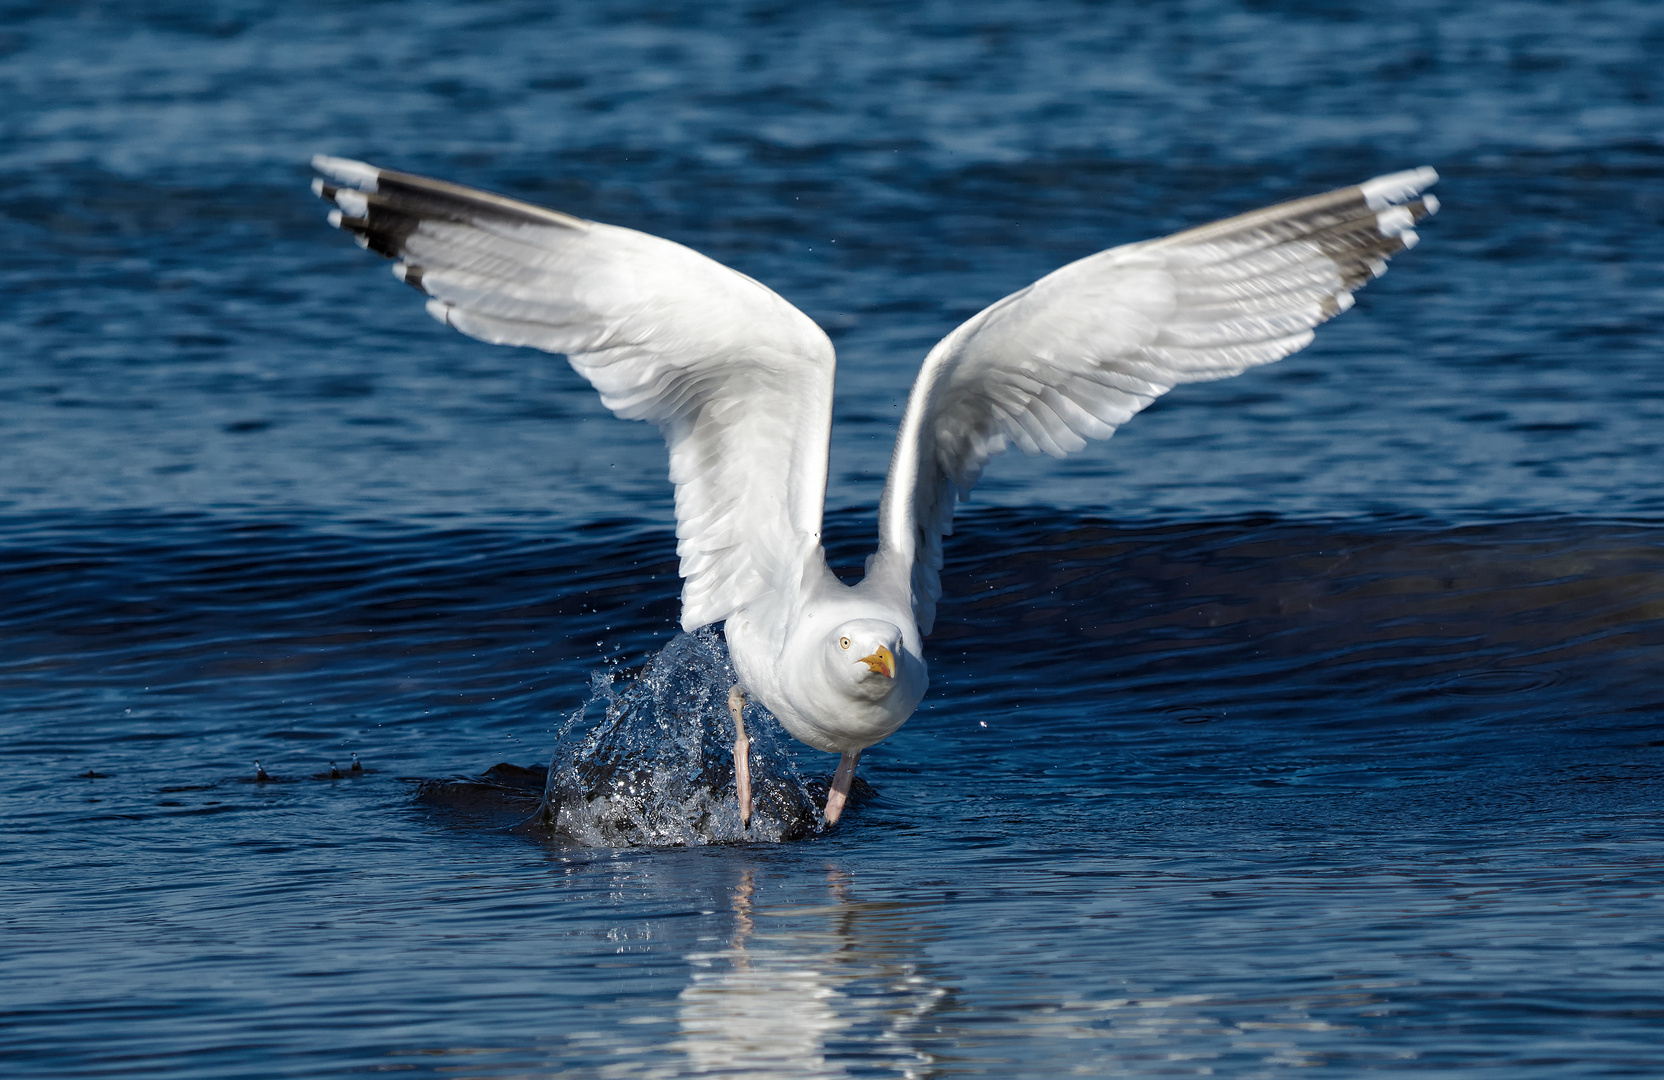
(1311, 726)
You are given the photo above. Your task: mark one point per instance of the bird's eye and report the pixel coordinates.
(843, 643)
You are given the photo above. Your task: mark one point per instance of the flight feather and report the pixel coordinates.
(1076, 354)
(738, 380)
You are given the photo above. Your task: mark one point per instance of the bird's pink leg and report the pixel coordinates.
(839, 793)
(742, 754)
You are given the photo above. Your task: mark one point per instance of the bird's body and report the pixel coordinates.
(777, 644)
(740, 383)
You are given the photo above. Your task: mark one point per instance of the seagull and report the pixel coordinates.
(740, 384)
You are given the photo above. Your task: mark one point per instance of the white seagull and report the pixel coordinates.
(740, 383)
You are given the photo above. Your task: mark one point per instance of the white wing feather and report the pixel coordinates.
(1079, 352)
(738, 380)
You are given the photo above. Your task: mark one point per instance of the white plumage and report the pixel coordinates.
(740, 383)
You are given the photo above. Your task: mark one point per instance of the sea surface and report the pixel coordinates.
(1312, 726)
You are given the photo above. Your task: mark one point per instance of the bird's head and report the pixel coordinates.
(864, 654)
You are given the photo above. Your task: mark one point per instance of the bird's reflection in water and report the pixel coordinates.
(797, 984)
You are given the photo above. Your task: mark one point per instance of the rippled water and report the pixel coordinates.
(1311, 725)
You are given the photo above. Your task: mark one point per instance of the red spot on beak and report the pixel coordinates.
(882, 662)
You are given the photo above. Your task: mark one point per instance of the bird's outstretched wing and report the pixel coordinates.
(738, 380)
(1080, 351)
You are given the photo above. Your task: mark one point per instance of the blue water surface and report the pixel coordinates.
(1312, 726)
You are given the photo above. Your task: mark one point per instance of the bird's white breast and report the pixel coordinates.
(780, 664)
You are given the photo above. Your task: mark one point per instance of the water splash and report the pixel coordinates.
(655, 767)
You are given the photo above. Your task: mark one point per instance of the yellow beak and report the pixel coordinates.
(883, 662)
